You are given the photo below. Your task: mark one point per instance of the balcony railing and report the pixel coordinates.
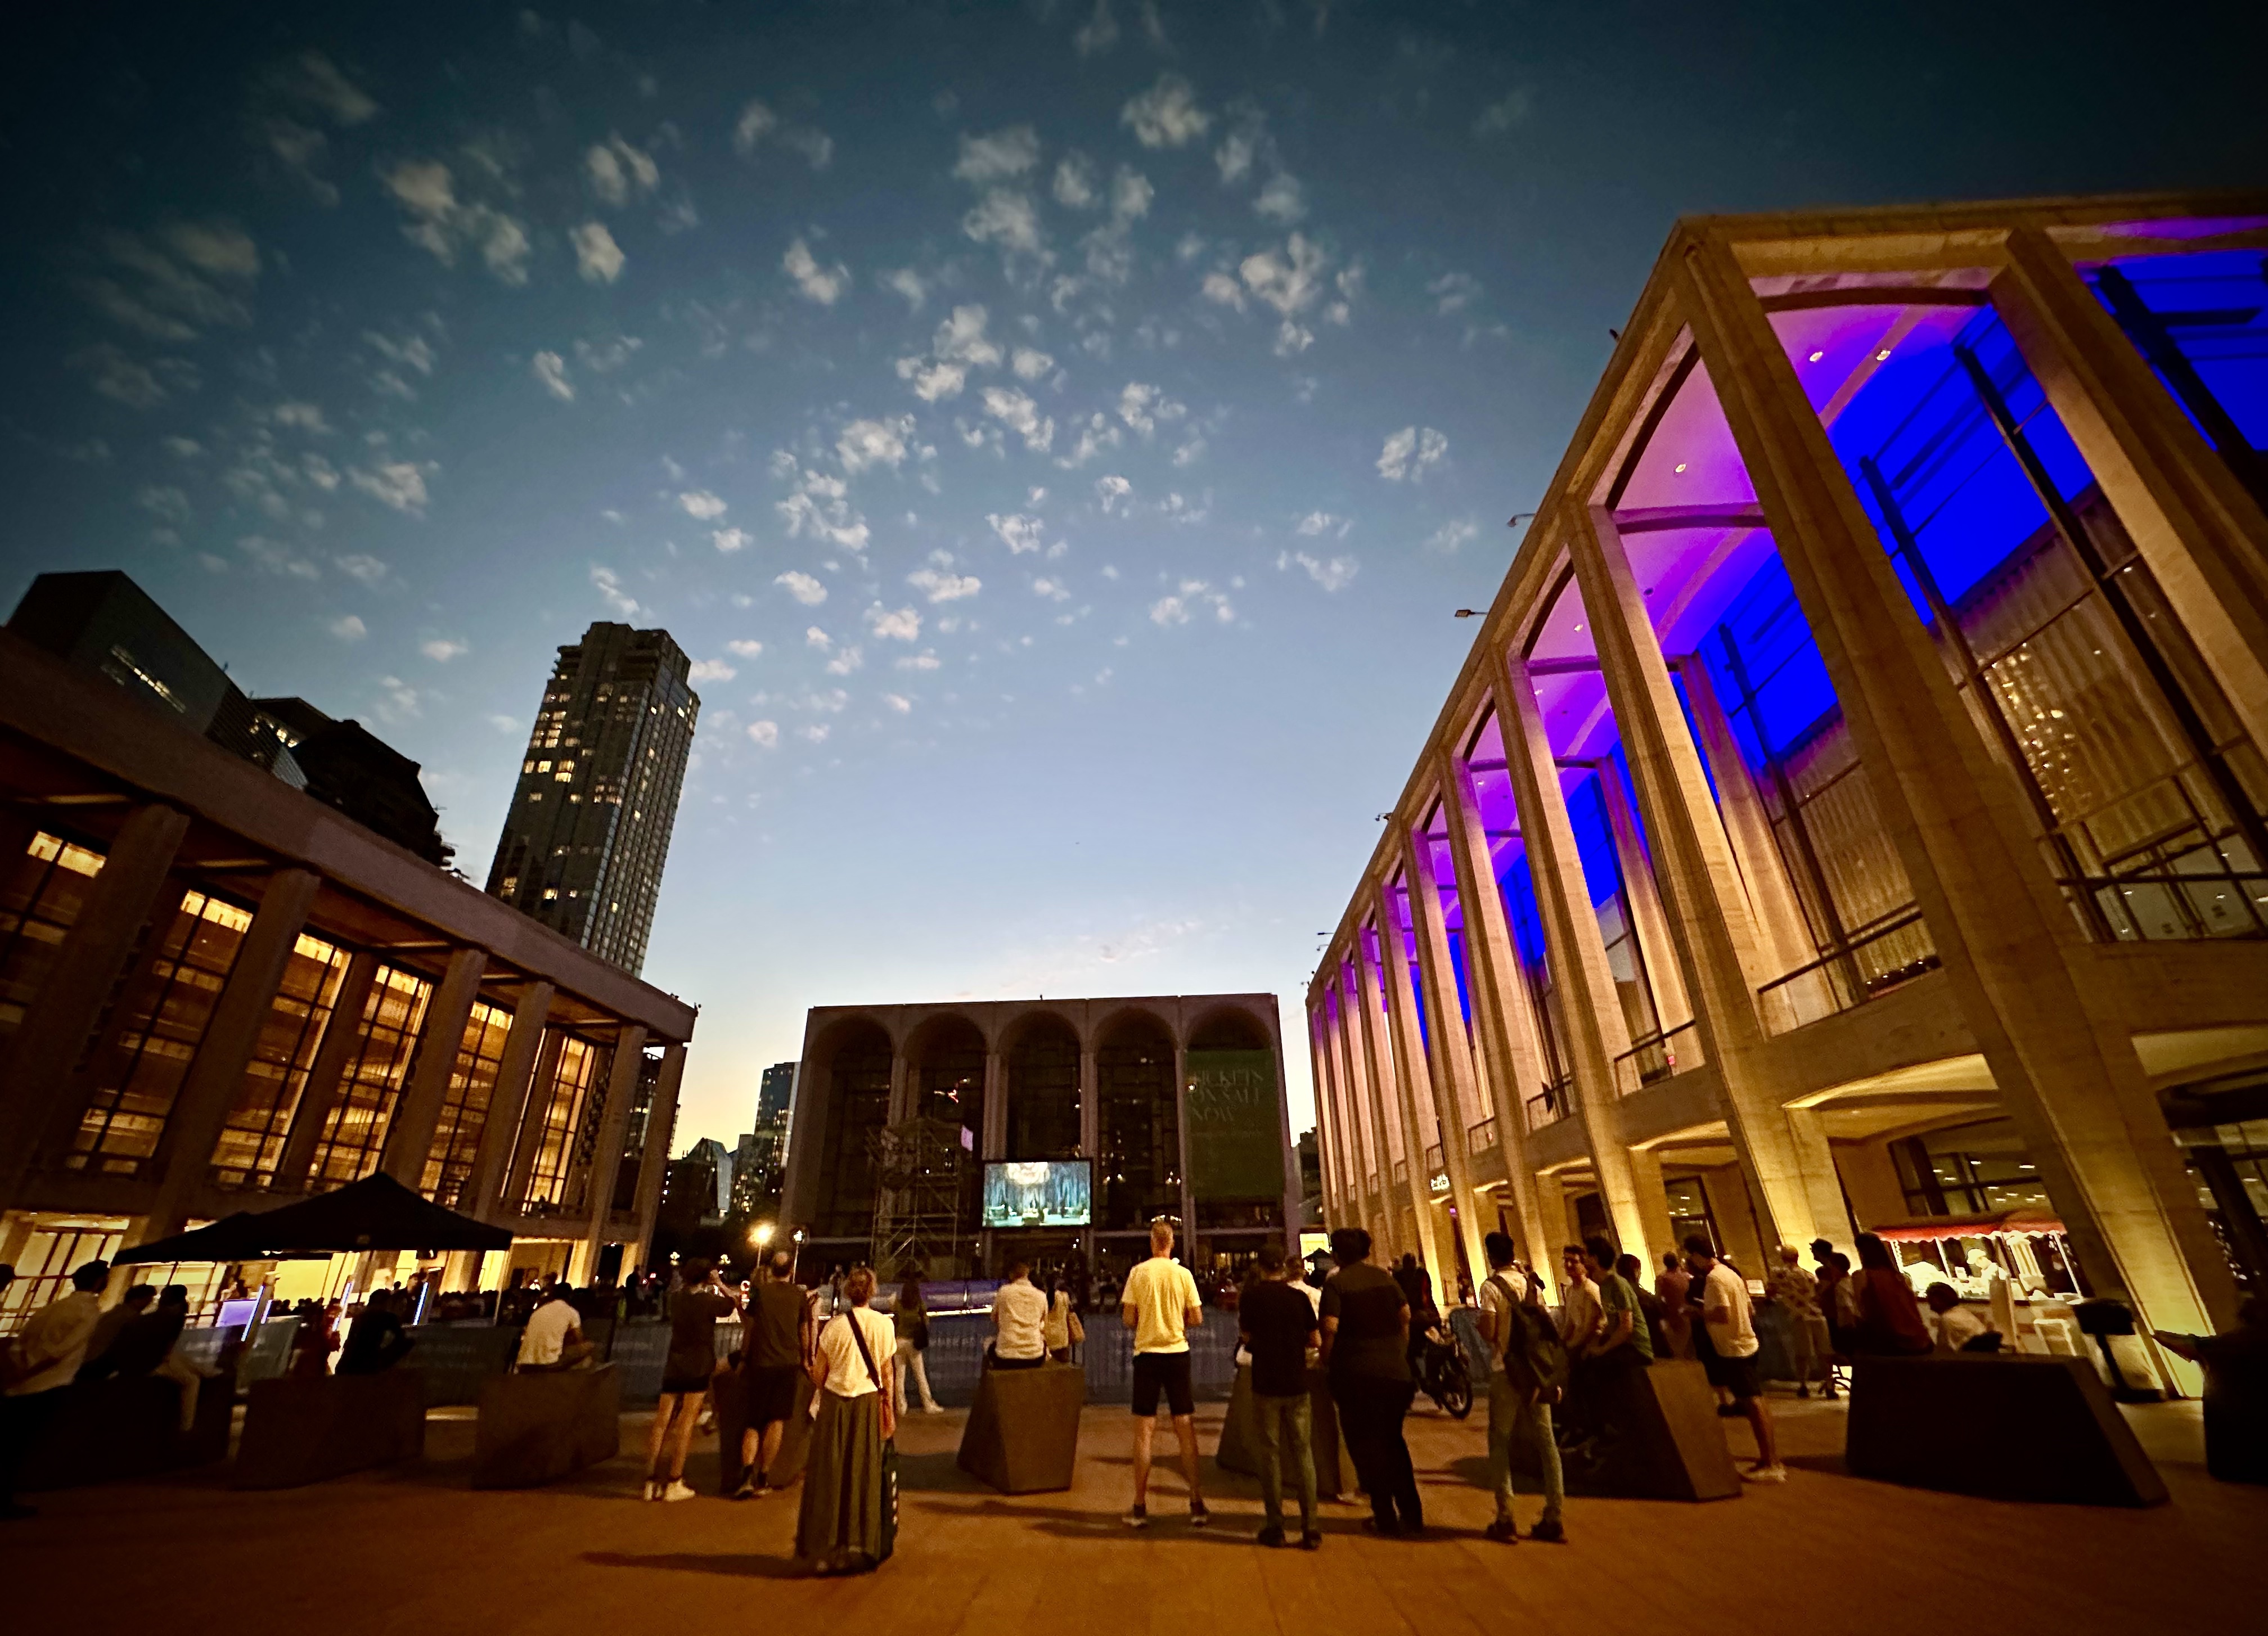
(1553, 1104)
(1434, 1162)
(1481, 1136)
(1372, 1189)
(1874, 960)
(1401, 1172)
(1657, 1057)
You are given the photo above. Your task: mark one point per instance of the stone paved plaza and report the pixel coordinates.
(415, 1549)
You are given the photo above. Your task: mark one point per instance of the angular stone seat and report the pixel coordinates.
(1664, 1441)
(732, 1405)
(298, 1431)
(1022, 1436)
(1238, 1449)
(536, 1428)
(105, 1430)
(2004, 1425)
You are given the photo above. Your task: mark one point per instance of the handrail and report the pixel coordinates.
(1656, 1057)
(1553, 1104)
(1480, 1135)
(1832, 983)
(1433, 1157)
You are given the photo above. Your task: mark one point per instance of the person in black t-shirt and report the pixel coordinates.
(1279, 1327)
(1366, 1342)
(376, 1343)
(693, 1314)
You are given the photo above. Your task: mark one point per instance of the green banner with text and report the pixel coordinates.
(1236, 1139)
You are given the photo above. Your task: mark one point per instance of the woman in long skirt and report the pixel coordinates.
(840, 1528)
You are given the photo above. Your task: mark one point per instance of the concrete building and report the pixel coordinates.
(584, 843)
(1177, 1101)
(218, 993)
(775, 1095)
(1850, 814)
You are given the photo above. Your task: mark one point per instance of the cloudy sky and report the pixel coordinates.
(1060, 432)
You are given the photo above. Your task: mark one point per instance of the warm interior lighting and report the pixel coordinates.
(1884, 353)
(761, 1234)
(1817, 356)
(1681, 466)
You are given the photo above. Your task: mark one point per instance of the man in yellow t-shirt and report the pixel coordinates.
(1160, 1304)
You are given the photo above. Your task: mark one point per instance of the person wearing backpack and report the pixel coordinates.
(1530, 1373)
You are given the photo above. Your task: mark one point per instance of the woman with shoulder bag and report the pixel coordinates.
(847, 1522)
(1063, 1329)
(910, 1320)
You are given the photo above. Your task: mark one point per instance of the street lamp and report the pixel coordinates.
(761, 1234)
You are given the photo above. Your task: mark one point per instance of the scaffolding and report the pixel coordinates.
(921, 1173)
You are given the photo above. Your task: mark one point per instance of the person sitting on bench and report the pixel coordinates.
(1019, 1321)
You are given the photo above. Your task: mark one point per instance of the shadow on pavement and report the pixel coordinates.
(735, 1567)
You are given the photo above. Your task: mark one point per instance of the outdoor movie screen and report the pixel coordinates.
(1038, 1192)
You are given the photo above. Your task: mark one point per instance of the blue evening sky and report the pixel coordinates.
(1060, 433)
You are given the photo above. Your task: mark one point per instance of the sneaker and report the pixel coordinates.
(1384, 1527)
(1504, 1531)
(746, 1491)
(1271, 1536)
(675, 1491)
(1549, 1532)
(1138, 1517)
(935, 1408)
(1765, 1474)
(1199, 1517)
(653, 1489)
(1803, 1390)
(1311, 1540)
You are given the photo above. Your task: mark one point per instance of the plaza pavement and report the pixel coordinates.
(414, 1550)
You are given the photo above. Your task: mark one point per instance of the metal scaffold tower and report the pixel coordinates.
(920, 1182)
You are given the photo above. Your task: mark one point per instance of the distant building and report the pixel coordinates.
(696, 1189)
(584, 843)
(775, 1095)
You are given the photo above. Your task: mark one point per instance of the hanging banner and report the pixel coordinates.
(1236, 1140)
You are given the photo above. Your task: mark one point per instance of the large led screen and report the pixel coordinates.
(1038, 1192)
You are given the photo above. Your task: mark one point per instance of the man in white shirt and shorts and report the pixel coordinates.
(1720, 1298)
(1160, 1304)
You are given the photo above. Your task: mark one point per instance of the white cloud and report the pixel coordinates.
(398, 483)
(1017, 532)
(441, 650)
(1293, 339)
(1411, 452)
(820, 506)
(701, 504)
(1453, 293)
(731, 539)
(803, 587)
(304, 417)
(1453, 534)
(933, 381)
(1016, 411)
(961, 338)
(943, 586)
(746, 648)
(597, 256)
(551, 369)
(924, 661)
(618, 170)
(1281, 201)
(1004, 217)
(815, 145)
(818, 283)
(899, 702)
(1504, 114)
(1332, 574)
(1097, 33)
(1004, 154)
(1317, 522)
(608, 584)
(1221, 288)
(907, 282)
(712, 671)
(351, 628)
(1131, 194)
(1169, 611)
(1031, 364)
(1142, 407)
(138, 386)
(368, 569)
(756, 123)
(847, 658)
(1167, 115)
(1289, 281)
(1053, 589)
(1077, 187)
(898, 624)
(398, 701)
(866, 444)
(814, 637)
(312, 79)
(764, 733)
(1236, 154)
(442, 223)
(816, 732)
(1190, 452)
(1117, 496)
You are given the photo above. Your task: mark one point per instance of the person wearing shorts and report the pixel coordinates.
(694, 1311)
(1160, 1304)
(777, 1342)
(1720, 1301)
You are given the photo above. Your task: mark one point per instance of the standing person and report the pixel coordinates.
(376, 1343)
(1725, 1313)
(45, 1357)
(1889, 1321)
(1160, 1304)
(909, 1322)
(775, 1345)
(1528, 1362)
(1416, 1290)
(1836, 1302)
(844, 1524)
(1670, 1288)
(1649, 1304)
(1366, 1350)
(313, 1342)
(110, 1325)
(693, 1314)
(1065, 1331)
(1019, 1321)
(1276, 1325)
(1797, 1292)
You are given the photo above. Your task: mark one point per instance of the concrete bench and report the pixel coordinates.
(727, 1392)
(1022, 1436)
(102, 1431)
(1998, 1425)
(536, 1428)
(1664, 1440)
(299, 1431)
(1238, 1449)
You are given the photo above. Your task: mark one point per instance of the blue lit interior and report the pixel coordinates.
(2212, 309)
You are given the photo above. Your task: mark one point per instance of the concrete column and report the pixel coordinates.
(2001, 930)
(1373, 1055)
(1664, 983)
(903, 1084)
(1181, 1125)
(2197, 525)
(996, 1107)
(1782, 935)
(1715, 942)
(1326, 1149)
(1090, 1101)
(654, 1157)
(341, 1033)
(1502, 1027)
(529, 1142)
(410, 1138)
(605, 1161)
(1653, 1205)
(1345, 1172)
(1413, 1089)
(95, 953)
(1453, 1077)
(1596, 1033)
(508, 1102)
(210, 1088)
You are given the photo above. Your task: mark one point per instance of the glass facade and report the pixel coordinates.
(353, 1132)
(259, 1121)
(1138, 1170)
(465, 1109)
(1968, 1169)
(1042, 1071)
(552, 1174)
(858, 1104)
(40, 897)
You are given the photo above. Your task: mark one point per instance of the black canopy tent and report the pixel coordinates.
(376, 1213)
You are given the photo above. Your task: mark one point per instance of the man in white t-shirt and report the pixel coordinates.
(1019, 1320)
(1720, 1298)
(1160, 1304)
(552, 1339)
(1519, 1406)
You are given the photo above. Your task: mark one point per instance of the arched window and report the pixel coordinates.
(1139, 1169)
(857, 1080)
(1043, 1092)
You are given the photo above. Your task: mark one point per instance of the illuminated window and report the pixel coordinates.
(355, 1132)
(252, 1139)
(550, 1173)
(39, 901)
(465, 1109)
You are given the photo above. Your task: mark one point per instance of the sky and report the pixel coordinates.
(1060, 434)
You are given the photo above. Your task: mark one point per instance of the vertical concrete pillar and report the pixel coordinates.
(1413, 1098)
(529, 1144)
(1090, 1100)
(1453, 1078)
(1665, 982)
(341, 1034)
(410, 1138)
(1715, 942)
(1181, 1125)
(1502, 1027)
(1784, 937)
(523, 1044)
(1596, 1034)
(995, 1106)
(1327, 1156)
(614, 1133)
(95, 953)
(2004, 936)
(902, 1086)
(2197, 525)
(1373, 1064)
(1653, 1205)
(654, 1157)
(209, 1087)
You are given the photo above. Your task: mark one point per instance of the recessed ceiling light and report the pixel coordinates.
(1681, 466)
(1817, 356)
(1884, 353)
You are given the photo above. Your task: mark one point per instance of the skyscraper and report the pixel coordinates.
(588, 833)
(775, 1093)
